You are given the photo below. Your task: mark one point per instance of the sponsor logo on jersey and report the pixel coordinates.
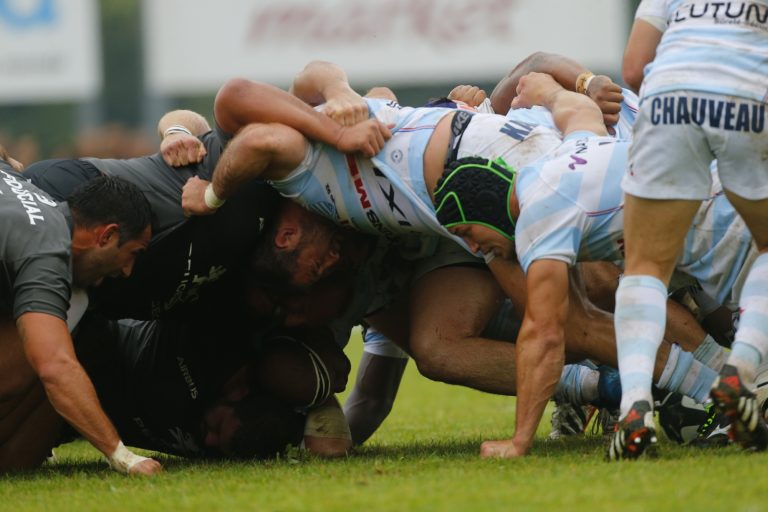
(731, 13)
(726, 115)
(188, 289)
(187, 376)
(389, 195)
(357, 180)
(27, 198)
(518, 130)
(362, 194)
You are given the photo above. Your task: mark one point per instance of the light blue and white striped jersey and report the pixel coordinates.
(714, 47)
(571, 209)
(540, 116)
(571, 203)
(384, 195)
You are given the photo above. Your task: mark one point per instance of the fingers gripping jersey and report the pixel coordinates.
(540, 116)
(571, 205)
(386, 195)
(381, 196)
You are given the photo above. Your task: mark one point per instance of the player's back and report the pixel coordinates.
(717, 47)
(571, 203)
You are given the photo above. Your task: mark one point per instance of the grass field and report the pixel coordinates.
(423, 458)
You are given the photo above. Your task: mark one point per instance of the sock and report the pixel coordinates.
(683, 374)
(761, 386)
(641, 314)
(710, 353)
(750, 347)
(577, 386)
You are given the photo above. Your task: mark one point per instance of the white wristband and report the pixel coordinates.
(212, 201)
(123, 459)
(176, 128)
(586, 84)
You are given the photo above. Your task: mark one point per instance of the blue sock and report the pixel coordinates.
(577, 386)
(685, 375)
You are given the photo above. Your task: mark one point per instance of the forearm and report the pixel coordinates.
(73, 396)
(371, 399)
(259, 150)
(563, 70)
(575, 112)
(318, 81)
(241, 102)
(540, 358)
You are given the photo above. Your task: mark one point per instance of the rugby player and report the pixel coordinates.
(703, 97)
(189, 258)
(567, 208)
(49, 249)
(320, 185)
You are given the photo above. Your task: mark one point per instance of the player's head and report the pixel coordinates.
(253, 427)
(472, 200)
(298, 248)
(112, 225)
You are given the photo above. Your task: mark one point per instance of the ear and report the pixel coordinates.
(107, 233)
(287, 236)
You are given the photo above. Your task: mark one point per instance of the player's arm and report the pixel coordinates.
(242, 102)
(472, 95)
(571, 111)
(566, 72)
(373, 395)
(540, 349)
(326, 83)
(266, 151)
(179, 131)
(640, 51)
(48, 348)
(15, 164)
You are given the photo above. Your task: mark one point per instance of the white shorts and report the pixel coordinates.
(676, 139)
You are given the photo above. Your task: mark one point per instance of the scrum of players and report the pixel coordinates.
(559, 240)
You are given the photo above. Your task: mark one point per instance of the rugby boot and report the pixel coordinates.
(570, 420)
(715, 430)
(634, 435)
(739, 404)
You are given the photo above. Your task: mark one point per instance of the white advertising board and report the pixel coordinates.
(49, 50)
(193, 46)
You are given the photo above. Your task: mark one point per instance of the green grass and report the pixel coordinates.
(423, 458)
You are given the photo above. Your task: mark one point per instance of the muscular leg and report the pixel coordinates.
(750, 346)
(450, 307)
(36, 428)
(654, 231)
(29, 426)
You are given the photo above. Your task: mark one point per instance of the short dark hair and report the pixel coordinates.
(272, 269)
(267, 428)
(108, 200)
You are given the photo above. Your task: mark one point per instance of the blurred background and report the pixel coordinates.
(92, 77)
